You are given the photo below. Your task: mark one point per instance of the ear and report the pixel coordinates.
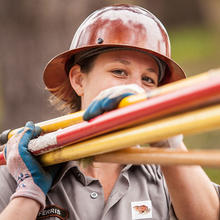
(76, 79)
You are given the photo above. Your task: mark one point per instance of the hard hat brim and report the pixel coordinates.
(55, 72)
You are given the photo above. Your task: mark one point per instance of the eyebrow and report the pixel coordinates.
(152, 70)
(122, 61)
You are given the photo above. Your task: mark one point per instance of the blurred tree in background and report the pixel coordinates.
(32, 32)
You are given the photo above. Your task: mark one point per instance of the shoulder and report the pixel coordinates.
(150, 171)
(152, 176)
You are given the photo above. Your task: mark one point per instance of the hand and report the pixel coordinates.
(172, 142)
(109, 99)
(32, 180)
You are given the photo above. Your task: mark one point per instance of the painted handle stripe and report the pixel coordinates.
(188, 123)
(2, 159)
(140, 112)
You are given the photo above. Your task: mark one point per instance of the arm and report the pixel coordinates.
(30, 209)
(192, 194)
(33, 181)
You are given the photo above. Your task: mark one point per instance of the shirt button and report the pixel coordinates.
(94, 195)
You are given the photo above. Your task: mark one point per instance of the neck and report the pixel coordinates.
(106, 173)
(100, 170)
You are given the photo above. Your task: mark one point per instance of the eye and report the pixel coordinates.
(119, 72)
(148, 80)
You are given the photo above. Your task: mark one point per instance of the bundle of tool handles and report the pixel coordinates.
(185, 107)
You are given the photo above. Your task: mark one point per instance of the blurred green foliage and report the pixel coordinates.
(196, 50)
(213, 174)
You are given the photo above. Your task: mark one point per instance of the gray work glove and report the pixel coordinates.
(174, 142)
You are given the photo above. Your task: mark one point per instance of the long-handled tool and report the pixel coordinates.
(161, 105)
(145, 111)
(188, 123)
(71, 119)
(162, 156)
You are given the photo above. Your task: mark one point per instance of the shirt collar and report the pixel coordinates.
(80, 177)
(66, 167)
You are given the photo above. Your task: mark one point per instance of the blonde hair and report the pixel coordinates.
(64, 98)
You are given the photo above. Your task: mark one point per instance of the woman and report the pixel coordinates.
(117, 51)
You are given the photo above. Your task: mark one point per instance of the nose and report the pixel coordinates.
(139, 82)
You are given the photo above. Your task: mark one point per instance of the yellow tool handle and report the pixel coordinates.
(162, 156)
(188, 123)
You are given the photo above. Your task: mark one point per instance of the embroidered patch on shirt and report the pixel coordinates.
(54, 211)
(141, 209)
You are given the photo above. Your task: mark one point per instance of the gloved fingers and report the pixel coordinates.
(109, 99)
(29, 132)
(31, 126)
(171, 142)
(118, 90)
(22, 137)
(112, 103)
(37, 131)
(93, 110)
(28, 128)
(175, 141)
(25, 134)
(97, 107)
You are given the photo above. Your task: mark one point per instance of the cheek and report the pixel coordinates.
(94, 86)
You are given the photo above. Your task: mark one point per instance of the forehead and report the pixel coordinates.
(126, 57)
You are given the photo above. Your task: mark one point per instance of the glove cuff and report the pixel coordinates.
(32, 192)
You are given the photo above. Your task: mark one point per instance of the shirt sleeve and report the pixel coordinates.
(7, 187)
(217, 188)
(172, 213)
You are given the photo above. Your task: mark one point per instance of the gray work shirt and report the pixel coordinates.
(139, 193)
